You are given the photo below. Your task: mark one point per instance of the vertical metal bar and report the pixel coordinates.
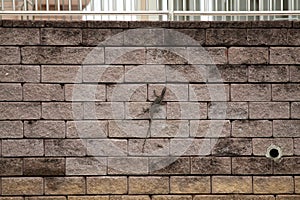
(2, 4)
(25, 5)
(58, 5)
(70, 5)
(13, 5)
(281, 5)
(171, 9)
(80, 5)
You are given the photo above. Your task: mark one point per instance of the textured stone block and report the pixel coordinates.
(208, 92)
(145, 74)
(297, 146)
(284, 55)
(151, 147)
(295, 73)
(297, 184)
(86, 166)
(186, 73)
(268, 73)
(23, 148)
(186, 110)
(248, 55)
(11, 167)
(287, 165)
(166, 55)
(272, 24)
(184, 37)
(19, 73)
(129, 197)
(231, 147)
(208, 55)
(293, 37)
(61, 74)
(148, 185)
(295, 110)
(62, 111)
(287, 197)
(64, 185)
(46, 198)
(85, 92)
(210, 128)
(103, 73)
(106, 147)
(286, 92)
(251, 128)
(10, 55)
(19, 36)
(234, 197)
(10, 92)
(61, 36)
(43, 92)
(102, 197)
(107, 24)
(191, 147)
(226, 37)
(67, 147)
(189, 185)
(106, 185)
(128, 165)
(231, 184)
(20, 110)
(44, 129)
(104, 110)
(144, 37)
(260, 145)
(125, 55)
(106, 37)
(174, 92)
(172, 197)
(228, 110)
(227, 73)
(148, 24)
(250, 92)
(251, 165)
(44, 166)
(189, 24)
(87, 129)
(269, 110)
(169, 128)
(128, 128)
(127, 92)
(210, 165)
(136, 110)
(268, 36)
(286, 128)
(22, 186)
(11, 129)
(62, 55)
(273, 185)
(169, 165)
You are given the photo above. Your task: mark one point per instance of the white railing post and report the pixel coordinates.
(171, 10)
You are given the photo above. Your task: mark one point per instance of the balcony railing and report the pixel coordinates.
(208, 10)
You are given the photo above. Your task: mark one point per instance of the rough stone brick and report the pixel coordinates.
(226, 37)
(189, 24)
(260, 145)
(11, 166)
(193, 147)
(297, 184)
(186, 73)
(107, 24)
(23, 148)
(104, 110)
(125, 55)
(136, 110)
(22, 186)
(209, 55)
(64, 185)
(85, 92)
(11, 129)
(250, 92)
(128, 128)
(234, 197)
(152, 147)
(20, 110)
(106, 185)
(19, 73)
(248, 55)
(148, 24)
(268, 36)
(128, 165)
(129, 197)
(61, 36)
(287, 165)
(10, 92)
(44, 166)
(24, 23)
(62, 111)
(268, 73)
(293, 37)
(284, 55)
(46, 198)
(272, 24)
(149, 185)
(87, 129)
(183, 37)
(61, 74)
(169, 165)
(106, 37)
(19, 36)
(67, 147)
(127, 92)
(269, 110)
(102, 197)
(231, 147)
(227, 73)
(144, 37)
(174, 92)
(286, 92)
(295, 110)
(169, 128)
(287, 197)
(251, 165)
(10, 55)
(186, 110)
(172, 197)
(103, 73)
(286, 128)
(208, 92)
(297, 146)
(189, 185)
(86, 166)
(43, 92)
(44, 129)
(106, 147)
(231, 184)
(210, 165)
(228, 110)
(145, 74)
(252, 128)
(166, 55)
(295, 73)
(210, 128)
(273, 185)
(62, 55)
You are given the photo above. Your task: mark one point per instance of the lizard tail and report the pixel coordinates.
(148, 134)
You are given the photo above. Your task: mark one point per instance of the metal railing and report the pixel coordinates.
(190, 10)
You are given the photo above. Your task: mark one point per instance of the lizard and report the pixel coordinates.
(153, 109)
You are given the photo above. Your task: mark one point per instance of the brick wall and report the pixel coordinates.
(72, 124)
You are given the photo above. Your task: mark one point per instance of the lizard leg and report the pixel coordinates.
(154, 92)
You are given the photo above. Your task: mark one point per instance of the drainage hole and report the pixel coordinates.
(274, 153)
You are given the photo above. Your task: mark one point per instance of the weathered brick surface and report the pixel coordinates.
(148, 185)
(87, 129)
(251, 92)
(11, 92)
(20, 110)
(260, 145)
(273, 185)
(248, 55)
(85, 92)
(61, 74)
(107, 185)
(19, 73)
(284, 55)
(295, 110)
(64, 185)
(267, 36)
(231, 147)
(228, 110)
(210, 128)
(43, 92)
(266, 73)
(67, 147)
(10, 55)
(11, 166)
(294, 73)
(227, 73)
(224, 37)
(269, 110)
(19, 36)
(44, 166)
(22, 148)
(86, 166)
(44, 129)
(103, 73)
(286, 128)
(251, 165)
(11, 129)
(189, 184)
(127, 165)
(62, 111)
(231, 184)
(22, 186)
(59, 36)
(286, 92)
(100, 37)
(169, 165)
(211, 165)
(251, 128)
